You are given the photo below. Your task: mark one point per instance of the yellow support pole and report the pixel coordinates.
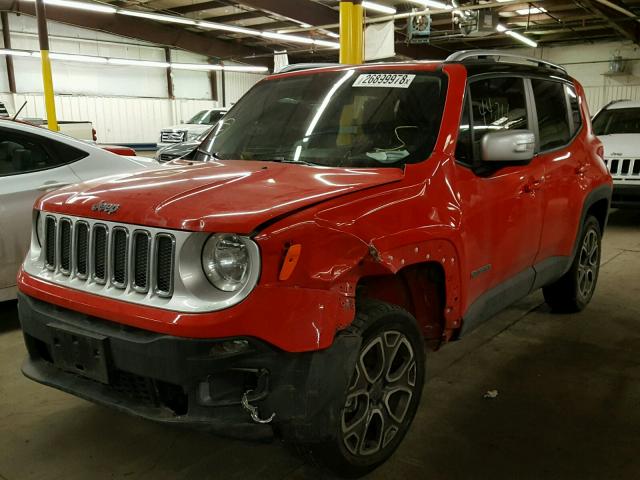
(351, 32)
(47, 79)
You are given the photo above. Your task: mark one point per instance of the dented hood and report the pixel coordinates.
(230, 196)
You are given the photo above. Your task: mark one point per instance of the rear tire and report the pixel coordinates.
(573, 291)
(382, 397)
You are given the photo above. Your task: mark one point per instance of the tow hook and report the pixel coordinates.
(253, 410)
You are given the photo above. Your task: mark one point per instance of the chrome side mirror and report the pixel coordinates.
(508, 146)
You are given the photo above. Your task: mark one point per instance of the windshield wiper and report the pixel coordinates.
(284, 160)
(213, 155)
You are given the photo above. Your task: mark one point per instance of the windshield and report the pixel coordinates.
(617, 120)
(346, 118)
(206, 117)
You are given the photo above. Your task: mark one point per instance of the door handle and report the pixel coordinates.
(534, 184)
(52, 185)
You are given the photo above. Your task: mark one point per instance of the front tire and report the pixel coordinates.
(573, 291)
(383, 395)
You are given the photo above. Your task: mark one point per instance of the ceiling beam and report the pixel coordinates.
(234, 17)
(148, 31)
(629, 33)
(198, 7)
(302, 10)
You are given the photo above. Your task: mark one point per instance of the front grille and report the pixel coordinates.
(65, 246)
(82, 249)
(119, 257)
(135, 387)
(624, 167)
(50, 242)
(141, 251)
(106, 254)
(164, 262)
(165, 157)
(100, 253)
(169, 136)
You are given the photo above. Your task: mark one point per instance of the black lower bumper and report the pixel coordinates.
(194, 382)
(625, 196)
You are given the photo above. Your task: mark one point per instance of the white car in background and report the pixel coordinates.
(617, 125)
(194, 127)
(34, 160)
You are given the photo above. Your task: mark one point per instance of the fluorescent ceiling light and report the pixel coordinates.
(325, 43)
(137, 63)
(304, 25)
(211, 68)
(433, 4)
(376, 7)
(92, 7)
(531, 10)
(244, 68)
(157, 16)
(15, 53)
(77, 58)
(501, 28)
(522, 38)
(331, 34)
(287, 38)
(504, 1)
(196, 66)
(228, 28)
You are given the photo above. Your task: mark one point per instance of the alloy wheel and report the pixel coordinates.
(588, 264)
(379, 394)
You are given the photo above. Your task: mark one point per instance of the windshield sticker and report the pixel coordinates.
(385, 80)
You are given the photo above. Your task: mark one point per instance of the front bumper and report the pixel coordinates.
(195, 382)
(626, 195)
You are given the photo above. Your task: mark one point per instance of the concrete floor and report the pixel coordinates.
(568, 404)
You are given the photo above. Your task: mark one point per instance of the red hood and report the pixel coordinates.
(234, 196)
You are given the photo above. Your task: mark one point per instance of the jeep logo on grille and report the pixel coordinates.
(105, 207)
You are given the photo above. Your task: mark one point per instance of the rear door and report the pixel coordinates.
(29, 166)
(565, 162)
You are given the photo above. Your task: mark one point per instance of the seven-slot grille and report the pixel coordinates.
(626, 167)
(115, 256)
(169, 136)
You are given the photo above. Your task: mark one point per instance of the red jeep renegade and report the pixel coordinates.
(284, 279)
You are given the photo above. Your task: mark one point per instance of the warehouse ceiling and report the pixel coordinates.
(468, 25)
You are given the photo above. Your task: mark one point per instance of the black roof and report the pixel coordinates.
(478, 67)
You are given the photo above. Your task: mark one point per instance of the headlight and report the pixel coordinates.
(40, 228)
(192, 136)
(226, 261)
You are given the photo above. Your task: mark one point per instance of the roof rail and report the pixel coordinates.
(498, 54)
(294, 67)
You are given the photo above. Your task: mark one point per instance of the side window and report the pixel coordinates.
(574, 104)
(553, 119)
(497, 104)
(24, 153)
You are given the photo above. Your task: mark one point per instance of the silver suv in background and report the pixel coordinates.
(193, 128)
(618, 126)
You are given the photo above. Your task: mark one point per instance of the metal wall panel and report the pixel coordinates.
(116, 119)
(237, 84)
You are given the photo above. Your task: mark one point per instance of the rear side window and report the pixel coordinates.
(23, 153)
(553, 119)
(574, 104)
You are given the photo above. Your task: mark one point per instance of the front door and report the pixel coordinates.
(501, 204)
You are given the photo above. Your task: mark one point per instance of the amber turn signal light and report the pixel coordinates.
(290, 261)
